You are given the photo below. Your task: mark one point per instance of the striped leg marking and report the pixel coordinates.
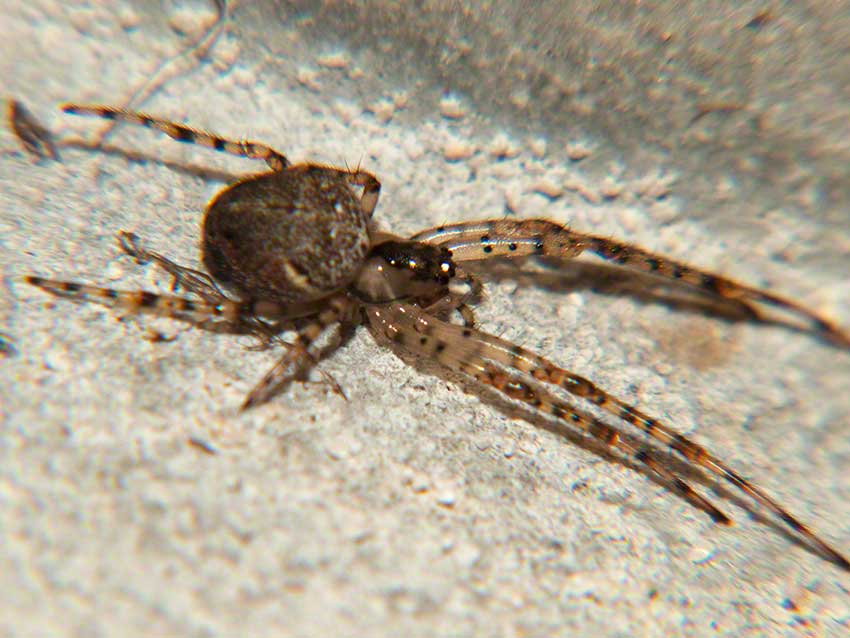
(300, 356)
(182, 133)
(515, 372)
(143, 302)
(476, 241)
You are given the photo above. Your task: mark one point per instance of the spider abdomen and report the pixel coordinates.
(293, 236)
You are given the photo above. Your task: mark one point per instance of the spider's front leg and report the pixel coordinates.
(457, 301)
(518, 373)
(476, 241)
(452, 345)
(182, 133)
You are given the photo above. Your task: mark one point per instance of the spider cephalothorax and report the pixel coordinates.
(401, 269)
(298, 242)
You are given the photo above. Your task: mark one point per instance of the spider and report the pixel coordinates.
(296, 246)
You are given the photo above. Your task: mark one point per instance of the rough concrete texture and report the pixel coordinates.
(136, 500)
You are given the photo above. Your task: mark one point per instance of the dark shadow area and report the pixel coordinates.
(564, 277)
(192, 170)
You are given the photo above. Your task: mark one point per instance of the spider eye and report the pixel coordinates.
(446, 271)
(398, 269)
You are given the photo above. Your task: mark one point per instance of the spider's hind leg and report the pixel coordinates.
(199, 312)
(194, 281)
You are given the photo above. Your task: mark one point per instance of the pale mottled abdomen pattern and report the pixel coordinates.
(291, 236)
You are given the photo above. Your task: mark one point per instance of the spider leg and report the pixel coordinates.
(300, 355)
(195, 281)
(446, 304)
(475, 241)
(182, 133)
(371, 188)
(457, 300)
(425, 335)
(487, 357)
(218, 314)
(144, 302)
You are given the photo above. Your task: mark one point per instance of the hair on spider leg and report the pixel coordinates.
(296, 246)
(195, 281)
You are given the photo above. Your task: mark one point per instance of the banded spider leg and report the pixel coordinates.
(476, 241)
(225, 315)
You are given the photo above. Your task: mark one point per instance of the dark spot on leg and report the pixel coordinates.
(690, 450)
(709, 282)
(147, 299)
(792, 522)
(184, 135)
(627, 415)
(682, 487)
(603, 432)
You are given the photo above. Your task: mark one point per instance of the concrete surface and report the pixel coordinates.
(135, 500)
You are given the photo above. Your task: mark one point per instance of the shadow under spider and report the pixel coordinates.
(192, 170)
(563, 278)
